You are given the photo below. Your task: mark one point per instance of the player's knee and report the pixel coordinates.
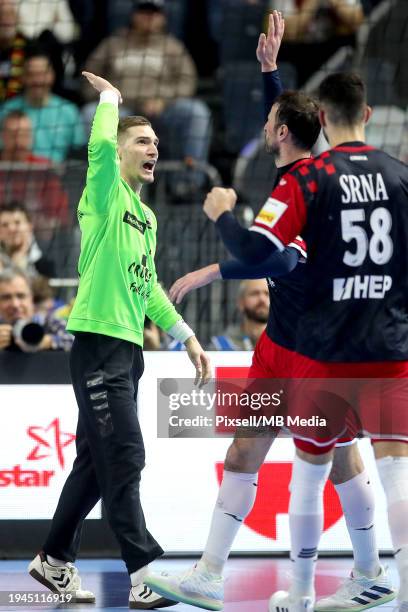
(347, 464)
(243, 457)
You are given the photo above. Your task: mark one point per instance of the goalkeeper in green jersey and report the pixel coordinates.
(118, 287)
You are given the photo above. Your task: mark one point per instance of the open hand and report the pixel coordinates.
(268, 46)
(200, 361)
(193, 280)
(101, 84)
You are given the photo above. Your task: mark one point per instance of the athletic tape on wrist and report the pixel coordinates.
(109, 96)
(181, 331)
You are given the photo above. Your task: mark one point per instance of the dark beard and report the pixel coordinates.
(252, 315)
(273, 149)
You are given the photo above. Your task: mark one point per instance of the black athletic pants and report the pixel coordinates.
(110, 452)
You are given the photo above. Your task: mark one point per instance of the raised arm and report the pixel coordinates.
(267, 55)
(103, 164)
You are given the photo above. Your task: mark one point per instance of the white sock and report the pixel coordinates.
(235, 500)
(55, 562)
(306, 522)
(138, 576)
(358, 503)
(401, 557)
(393, 473)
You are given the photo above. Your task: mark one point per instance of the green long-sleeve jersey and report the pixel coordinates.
(118, 282)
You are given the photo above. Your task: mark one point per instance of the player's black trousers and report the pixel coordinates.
(110, 452)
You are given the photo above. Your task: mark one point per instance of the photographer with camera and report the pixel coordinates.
(20, 328)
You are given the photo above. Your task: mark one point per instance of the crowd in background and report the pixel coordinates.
(180, 64)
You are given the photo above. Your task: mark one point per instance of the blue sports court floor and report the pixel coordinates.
(249, 582)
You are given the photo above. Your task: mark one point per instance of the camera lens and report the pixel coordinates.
(32, 333)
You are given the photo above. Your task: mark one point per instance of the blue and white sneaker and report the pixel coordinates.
(282, 601)
(195, 587)
(359, 593)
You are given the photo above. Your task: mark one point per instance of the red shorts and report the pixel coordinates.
(272, 361)
(369, 399)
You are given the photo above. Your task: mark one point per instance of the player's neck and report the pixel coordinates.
(290, 156)
(133, 183)
(339, 135)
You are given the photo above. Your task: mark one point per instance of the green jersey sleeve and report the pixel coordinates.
(103, 175)
(160, 310)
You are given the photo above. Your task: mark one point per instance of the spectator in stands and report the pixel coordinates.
(18, 244)
(35, 16)
(40, 188)
(253, 306)
(16, 304)
(44, 297)
(157, 78)
(17, 140)
(57, 124)
(118, 14)
(12, 51)
(315, 29)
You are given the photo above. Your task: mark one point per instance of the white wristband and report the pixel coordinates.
(181, 331)
(109, 96)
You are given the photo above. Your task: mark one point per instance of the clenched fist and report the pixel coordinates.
(218, 201)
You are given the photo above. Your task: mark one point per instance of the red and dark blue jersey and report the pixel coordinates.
(284, 272)
(351, 206)
(287, 292)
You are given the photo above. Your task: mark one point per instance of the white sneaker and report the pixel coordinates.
(60, 579)
(359, 593)
(141, 597)
(282, 601)
(195, 587)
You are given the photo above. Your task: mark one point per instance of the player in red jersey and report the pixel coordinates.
(351, 205)
(273, 358)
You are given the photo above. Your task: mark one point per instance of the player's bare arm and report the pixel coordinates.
(194, 280)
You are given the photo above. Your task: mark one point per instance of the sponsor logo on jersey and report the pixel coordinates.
(141, 269)
(271, 212)
(362, 188)
(358, 287)
(136, 223)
